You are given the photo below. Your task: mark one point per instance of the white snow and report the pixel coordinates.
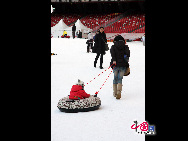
(113, 120)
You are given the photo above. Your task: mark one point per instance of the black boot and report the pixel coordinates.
(101, 67)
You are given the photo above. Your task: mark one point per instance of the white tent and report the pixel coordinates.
(81, 27)
(58, 29)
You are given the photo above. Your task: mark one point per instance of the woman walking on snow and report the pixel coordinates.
(120, 54)
(99, 46)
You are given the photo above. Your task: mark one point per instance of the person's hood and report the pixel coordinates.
(120, 45)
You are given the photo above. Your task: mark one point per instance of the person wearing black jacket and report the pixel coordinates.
(120, 54)
(73, 31)
(99, 46)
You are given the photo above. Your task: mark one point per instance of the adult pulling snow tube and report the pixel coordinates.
(82, 105)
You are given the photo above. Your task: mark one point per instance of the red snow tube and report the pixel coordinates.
(65, 37)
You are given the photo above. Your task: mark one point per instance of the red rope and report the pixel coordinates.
(98, 75)
(104, 81)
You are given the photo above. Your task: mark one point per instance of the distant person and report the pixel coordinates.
(89, 42)
(78, 33)
(64, 33)
(94, 47)
(120, 54)
(100, 40)
(73, 31)
(96, 34)
(143, 39)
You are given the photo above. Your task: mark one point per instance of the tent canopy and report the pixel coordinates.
(60, 26)
(79, 26)
(58, 29)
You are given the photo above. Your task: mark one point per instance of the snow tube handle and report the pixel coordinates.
(70, 100)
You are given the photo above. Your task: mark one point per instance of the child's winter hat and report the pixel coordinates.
(80, 83)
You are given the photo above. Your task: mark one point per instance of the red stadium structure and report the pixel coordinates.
(117, 17)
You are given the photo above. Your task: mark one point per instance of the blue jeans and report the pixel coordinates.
(118, 74)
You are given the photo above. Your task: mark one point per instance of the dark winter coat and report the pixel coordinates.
(118, 50)
(99, 45)
(73, 28)
(77, 92)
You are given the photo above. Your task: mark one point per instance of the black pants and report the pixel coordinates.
(73, 34)
(101, 59)
(89, 45)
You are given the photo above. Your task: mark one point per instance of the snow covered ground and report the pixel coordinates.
(113, 120)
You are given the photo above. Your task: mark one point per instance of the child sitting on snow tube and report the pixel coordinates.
(77, 92)
(79, 100)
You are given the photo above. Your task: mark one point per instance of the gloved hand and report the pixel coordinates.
(126, 58)
(113, 65)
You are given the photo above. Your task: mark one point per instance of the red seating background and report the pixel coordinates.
(133, 23)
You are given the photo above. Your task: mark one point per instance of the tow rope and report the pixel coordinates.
(105, 79)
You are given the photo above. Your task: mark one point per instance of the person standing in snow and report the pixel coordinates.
(143, 39)
(73, 31)
(100, 40)
(94, 47)
(120, 54)
(89, 42)
(77, 33)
